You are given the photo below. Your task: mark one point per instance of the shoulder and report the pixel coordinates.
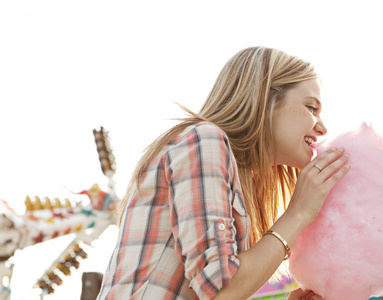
(204, 138)
(204, 130)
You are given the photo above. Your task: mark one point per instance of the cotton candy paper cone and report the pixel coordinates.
(340, 255)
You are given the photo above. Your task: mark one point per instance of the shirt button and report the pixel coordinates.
(221, 226)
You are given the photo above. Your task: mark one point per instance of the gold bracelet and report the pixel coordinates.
(283, 241)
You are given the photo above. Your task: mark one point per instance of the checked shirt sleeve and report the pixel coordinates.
(200, 173)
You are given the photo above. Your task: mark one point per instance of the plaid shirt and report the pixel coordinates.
(180, 234)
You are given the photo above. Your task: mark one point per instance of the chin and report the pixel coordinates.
(297, 166)
(302, 163)
(298, 160)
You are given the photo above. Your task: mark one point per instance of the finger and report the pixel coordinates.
(312, 296)
(319, 156)
(324, 161)
(333, 167)
(298, 294)
(338, 176)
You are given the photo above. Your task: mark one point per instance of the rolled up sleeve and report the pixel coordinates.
(200, 173)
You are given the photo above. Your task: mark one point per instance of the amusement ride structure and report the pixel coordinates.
(47, 219)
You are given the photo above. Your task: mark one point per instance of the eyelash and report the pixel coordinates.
(313, 109)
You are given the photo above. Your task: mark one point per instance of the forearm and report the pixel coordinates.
(259, 263)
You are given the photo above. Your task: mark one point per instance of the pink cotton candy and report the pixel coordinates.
(340, 255)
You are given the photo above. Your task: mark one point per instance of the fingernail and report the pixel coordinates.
(347, 155)
(333, 149)
(341, 149)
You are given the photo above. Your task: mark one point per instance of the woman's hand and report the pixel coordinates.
(315, 182)
(299, 294)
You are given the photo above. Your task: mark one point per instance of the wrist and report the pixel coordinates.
(283, 241)
(290, 225)
(300, 218)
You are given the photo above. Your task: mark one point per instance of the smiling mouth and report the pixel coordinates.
(309, 141)
(312, 146)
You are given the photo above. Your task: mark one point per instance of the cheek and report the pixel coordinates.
(306, 122)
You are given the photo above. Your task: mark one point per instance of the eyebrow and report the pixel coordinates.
(316, 99)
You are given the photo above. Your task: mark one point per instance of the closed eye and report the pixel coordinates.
(312, 108)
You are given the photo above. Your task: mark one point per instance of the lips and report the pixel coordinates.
(310, 140)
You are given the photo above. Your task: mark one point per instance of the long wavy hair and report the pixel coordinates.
(251, 84)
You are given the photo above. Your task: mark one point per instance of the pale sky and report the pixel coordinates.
(67, 67)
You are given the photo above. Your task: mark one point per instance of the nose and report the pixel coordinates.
(319, 127)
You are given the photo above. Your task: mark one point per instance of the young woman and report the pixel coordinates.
(215, 203)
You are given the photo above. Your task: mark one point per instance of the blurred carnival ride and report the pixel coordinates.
(48, 219)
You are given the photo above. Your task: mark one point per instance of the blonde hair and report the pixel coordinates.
(241, 102)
